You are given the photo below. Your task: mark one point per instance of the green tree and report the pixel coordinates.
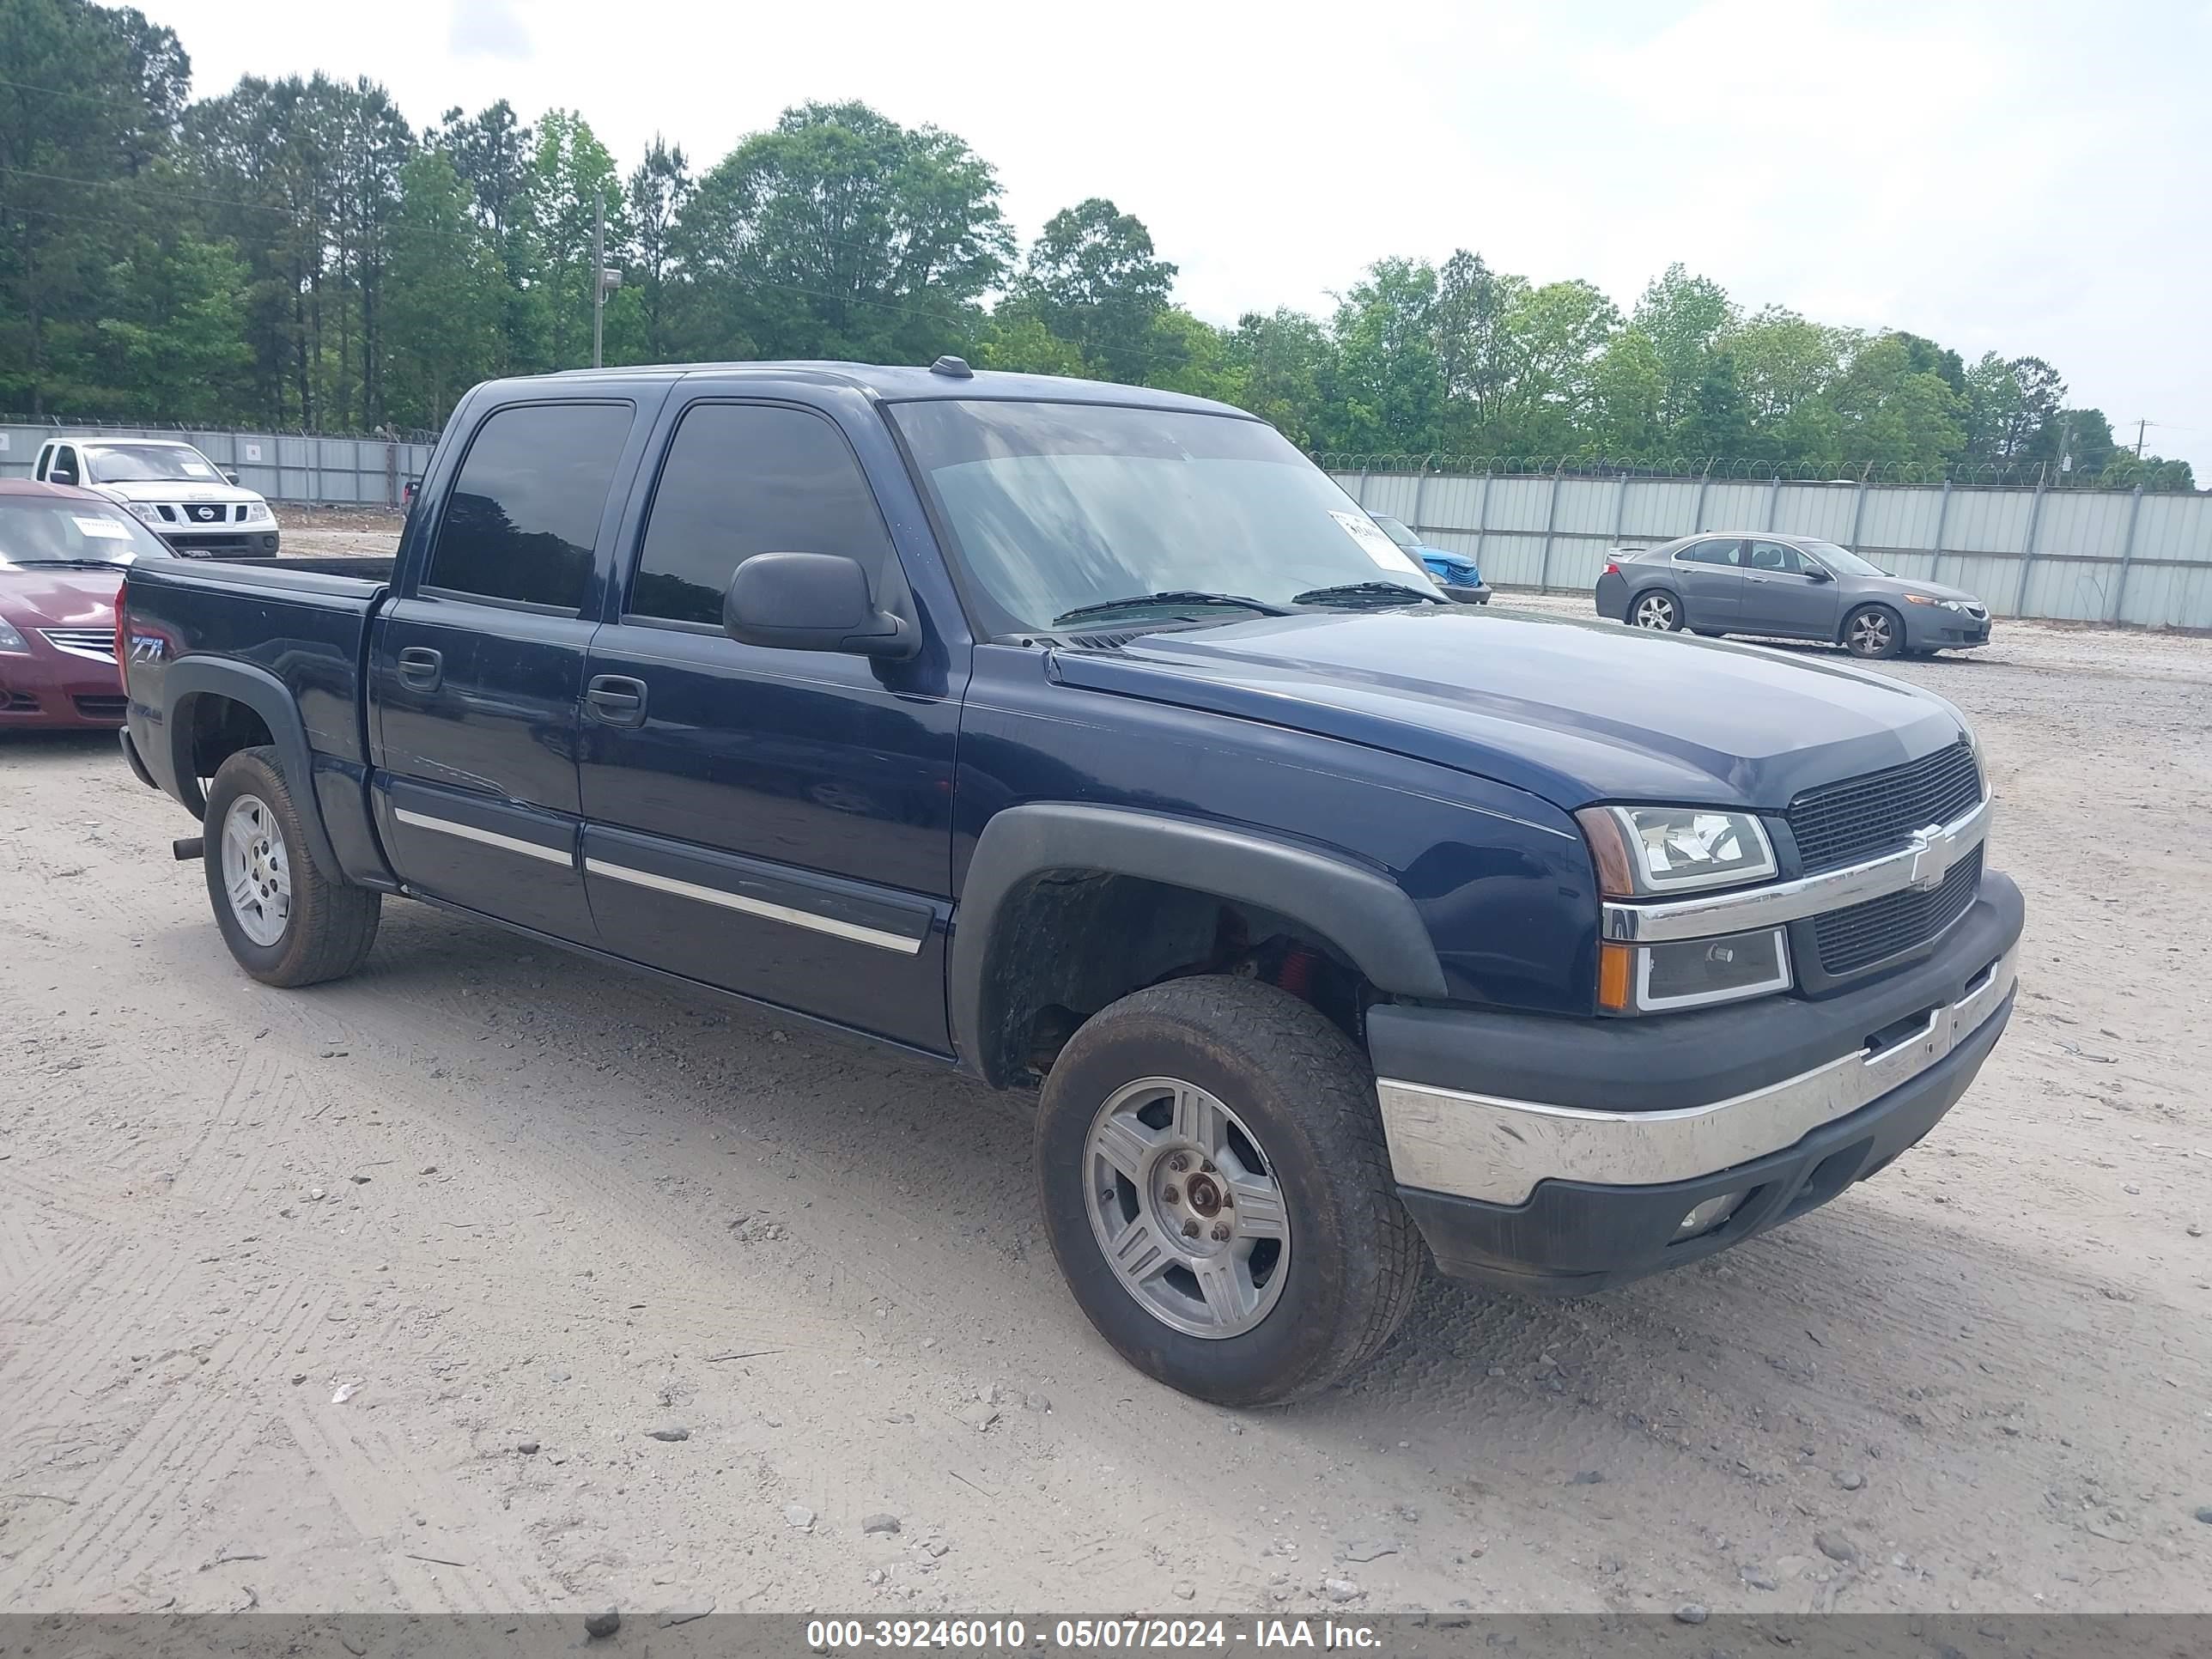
(89, 106)
(172, 345)
(657, 189)
(1474, 353)
(1286, 358)
(1554, 339)
(1686, 318)
(1786, 368)
(1018, 342)
(446, 289)
(2008, 402)
(1627, 388)
(1891, 413)
(841, 234)
(1387, 394)
(1093, 279)
(573, 180)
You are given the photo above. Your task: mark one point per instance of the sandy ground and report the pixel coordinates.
(330, 532)
(521, 1214)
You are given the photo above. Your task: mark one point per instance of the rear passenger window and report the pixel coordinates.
(1721, 552)
(524, 516)
(747, 478)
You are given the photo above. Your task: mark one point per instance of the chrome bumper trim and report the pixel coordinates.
(1483, 1147)
(1922, 864)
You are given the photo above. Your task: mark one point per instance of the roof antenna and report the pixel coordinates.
(956, 367)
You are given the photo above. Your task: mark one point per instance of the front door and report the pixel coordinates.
(1786, 594)
(777, 823)
(476, 673)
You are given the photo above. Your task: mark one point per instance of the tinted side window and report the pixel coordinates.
(746, 478)
(1721, 552)
(523, 515)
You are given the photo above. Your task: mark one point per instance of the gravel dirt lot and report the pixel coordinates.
(373, 1296)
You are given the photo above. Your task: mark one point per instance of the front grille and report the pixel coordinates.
(85, 642)
(102, 708)
(1879, 929)
(198, 544)
(1840, 824)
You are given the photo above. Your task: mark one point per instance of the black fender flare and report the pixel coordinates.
(272, 700)
(1367, 915)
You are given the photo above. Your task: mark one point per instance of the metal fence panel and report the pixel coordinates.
(2073, 554)
(283, 466)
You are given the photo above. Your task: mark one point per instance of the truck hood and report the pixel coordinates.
(173, 489)
(39, 596)
(1574, 712)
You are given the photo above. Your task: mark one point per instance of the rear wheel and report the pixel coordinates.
(1218, 1192)
(1873, 630)
(285, 921)
(1655, 610)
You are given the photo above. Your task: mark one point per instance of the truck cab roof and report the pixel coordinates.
(889, 383)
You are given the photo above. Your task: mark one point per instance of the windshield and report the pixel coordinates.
(35, 532)
(149, 463)
(1055, 507)
(1842, 560)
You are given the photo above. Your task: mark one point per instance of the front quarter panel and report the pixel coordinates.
(1501, 879)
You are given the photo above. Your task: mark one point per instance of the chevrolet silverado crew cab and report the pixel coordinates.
(172, 488)
(1089, 741)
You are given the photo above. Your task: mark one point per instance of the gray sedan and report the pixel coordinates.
(1793, 588)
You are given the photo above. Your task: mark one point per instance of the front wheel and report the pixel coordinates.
(285, 921)
(1657, 611)
(1873, 630)
(1218, 1192)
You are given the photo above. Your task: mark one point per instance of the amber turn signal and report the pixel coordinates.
(1608, 852)
(1614, 964)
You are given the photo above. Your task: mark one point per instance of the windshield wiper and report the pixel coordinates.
(1171, 597)
(1394, 593)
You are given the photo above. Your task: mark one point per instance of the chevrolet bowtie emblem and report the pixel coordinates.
(1932, 851)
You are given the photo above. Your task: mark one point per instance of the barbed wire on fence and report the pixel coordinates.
(2126, 473)
(83, 424)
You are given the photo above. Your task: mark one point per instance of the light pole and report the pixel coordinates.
(604, 280)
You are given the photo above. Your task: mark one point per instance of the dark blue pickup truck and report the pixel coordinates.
(1090, 740)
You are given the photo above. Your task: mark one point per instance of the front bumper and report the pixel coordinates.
(54, 689)
(1591, 1142)
(1467, 593)
(1931, 628)
(229, 542)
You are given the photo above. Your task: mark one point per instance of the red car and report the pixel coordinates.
(61, 555)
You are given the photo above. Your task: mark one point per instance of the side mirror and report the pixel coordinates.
(811, 602)
(61, 472)
(1818, 573)
(230, 477)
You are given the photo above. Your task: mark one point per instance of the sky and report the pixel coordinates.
(2022, 178)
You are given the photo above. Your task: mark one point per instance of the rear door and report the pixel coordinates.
(1712, 584)
(477, 666)
(774, 822)
(1786, 594)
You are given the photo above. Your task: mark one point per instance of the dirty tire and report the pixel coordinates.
(1873, 630)
(1307, 1096)
(331, 925)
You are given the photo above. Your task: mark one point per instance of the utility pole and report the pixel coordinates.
(2140, 425)
(598, 273)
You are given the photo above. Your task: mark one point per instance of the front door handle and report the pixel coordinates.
(615, 700)
(420, 668)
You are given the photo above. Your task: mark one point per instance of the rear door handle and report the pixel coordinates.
(615, 700)
(420, 668)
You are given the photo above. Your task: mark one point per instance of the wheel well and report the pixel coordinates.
(220, 727)
(1068, 942)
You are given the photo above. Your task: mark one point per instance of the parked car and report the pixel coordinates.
(63, 552)
(1455, 573)
(1088, 739)
(178, 493)
(1791, 587)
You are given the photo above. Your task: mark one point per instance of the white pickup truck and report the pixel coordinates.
(179, 494)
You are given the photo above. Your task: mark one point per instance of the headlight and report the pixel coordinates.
(258, 513)
(1941, 604)
(143, 510)
(11, 640)
(1646, 851)
(1691, 973)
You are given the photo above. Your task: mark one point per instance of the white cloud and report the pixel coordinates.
(2022, 178)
